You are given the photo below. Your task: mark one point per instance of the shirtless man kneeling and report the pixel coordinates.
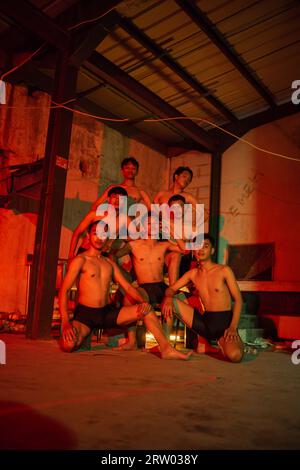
(95, 274)
(216, 284)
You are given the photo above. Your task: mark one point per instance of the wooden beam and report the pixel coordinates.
(36, 22)
(86, 42)
(224, 141)
(211, 31)
(85, 14)
(120, 80)
(165, 57)
(43, 277)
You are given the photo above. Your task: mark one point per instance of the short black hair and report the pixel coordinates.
(92, 225)
(209, 237)
(181, 169)
(117, 190)
(176, 197)
(96, 222)
(130, 160)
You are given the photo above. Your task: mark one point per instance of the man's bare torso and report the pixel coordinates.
(212, 288)
(133, 192)
(94, 281)
(148, 260)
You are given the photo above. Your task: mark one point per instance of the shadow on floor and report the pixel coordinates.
(23, 428)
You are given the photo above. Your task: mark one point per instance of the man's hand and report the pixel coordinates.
(143, 309)
(68, 332)
(231, 334)
(167, 307)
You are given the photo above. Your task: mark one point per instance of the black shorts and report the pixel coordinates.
(96, 318)
(155, 290)
(211, 325)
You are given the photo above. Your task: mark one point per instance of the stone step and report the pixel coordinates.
(248, 321)
(250, 334)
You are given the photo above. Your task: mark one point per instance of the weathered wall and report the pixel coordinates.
(200, 185)
(85, 168)
(96, 153)
(260, 194)
(22, 137)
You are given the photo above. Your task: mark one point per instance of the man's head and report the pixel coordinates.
(207, 250)
(183, 175)
(177, 200)
(114, 195)
(129, 168)
(96, 242)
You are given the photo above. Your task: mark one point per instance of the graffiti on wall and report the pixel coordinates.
(246, 192)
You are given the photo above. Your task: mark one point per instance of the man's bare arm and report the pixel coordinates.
(182, 282)
(101, 198)
(128, 288)
(235, 294)
(157, 197)
(178, 246)
(146, 199)
(69, 280)
(79, 230)
(167, 304)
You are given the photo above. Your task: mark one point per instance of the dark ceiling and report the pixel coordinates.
(228, 63)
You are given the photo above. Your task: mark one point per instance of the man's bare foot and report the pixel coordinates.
(171, 353)
(126, 347)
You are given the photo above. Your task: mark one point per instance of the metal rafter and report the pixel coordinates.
(164, 57)
(37, 22)
(117, 78)
(204, 23)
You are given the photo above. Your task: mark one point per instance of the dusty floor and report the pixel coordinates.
(133, 400)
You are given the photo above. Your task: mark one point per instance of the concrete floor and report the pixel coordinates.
(133, 400)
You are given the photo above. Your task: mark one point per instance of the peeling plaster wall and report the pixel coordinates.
(85, 168)
(22, 137)
(260, 195)
(96, 153)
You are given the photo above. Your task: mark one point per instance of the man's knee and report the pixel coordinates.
(70, 345)
(235, 355)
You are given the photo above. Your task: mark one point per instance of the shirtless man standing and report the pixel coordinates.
(182, 177)
(95, 274)
(216, 284)
(129, 168)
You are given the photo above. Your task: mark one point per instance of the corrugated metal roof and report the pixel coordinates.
(264, 36)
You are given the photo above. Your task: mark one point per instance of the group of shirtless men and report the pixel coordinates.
(99, 262)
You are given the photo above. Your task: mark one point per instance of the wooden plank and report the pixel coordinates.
(269, 286)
